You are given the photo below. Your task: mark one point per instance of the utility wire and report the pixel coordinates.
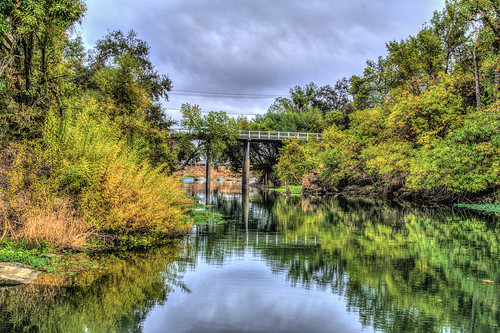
(241, 114)
(220, 94)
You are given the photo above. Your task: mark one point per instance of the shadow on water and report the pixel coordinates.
(387, 267)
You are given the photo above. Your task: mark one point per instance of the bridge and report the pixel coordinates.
(254, 136)
(263, 136)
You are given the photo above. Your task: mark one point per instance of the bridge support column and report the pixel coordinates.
(208, 177)
(246, 164)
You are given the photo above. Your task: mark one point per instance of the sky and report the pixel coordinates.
(237, 56)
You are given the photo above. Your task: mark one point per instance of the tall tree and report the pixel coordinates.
(369, 89)
(487, 14)
(32, 35)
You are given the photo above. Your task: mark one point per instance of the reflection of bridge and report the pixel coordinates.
(256, 136)
(258, 220)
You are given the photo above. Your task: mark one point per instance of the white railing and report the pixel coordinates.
(266, 135)
(274, 135)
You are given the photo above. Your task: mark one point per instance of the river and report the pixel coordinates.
(287, 264)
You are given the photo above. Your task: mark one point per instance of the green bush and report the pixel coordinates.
(84, 156)
(468, 159)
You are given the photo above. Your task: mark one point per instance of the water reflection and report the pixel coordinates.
(288, 264)
(116, 300)
(245, 205)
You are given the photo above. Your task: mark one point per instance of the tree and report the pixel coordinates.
(487, 13)
(452, 28)
(336, 98)
(120, 72)
(214, 132)
(32, 35)
(297, 159)
(115, 49)
(415, 62)
(370, 89)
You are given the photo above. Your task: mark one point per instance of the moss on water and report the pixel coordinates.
(200, 214)
(493, 208)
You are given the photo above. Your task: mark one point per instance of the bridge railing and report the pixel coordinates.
(265, 135)
(274, 135)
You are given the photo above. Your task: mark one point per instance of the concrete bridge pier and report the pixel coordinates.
(245, 177)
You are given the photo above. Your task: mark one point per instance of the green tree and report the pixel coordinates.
(297, 159)
(122, 74)
(214, 132)
(486, 13)
(370, 89)
(32, 73)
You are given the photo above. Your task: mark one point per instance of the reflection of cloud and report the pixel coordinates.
(258, 46)
(245, 296)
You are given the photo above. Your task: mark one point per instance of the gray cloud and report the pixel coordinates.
(258, 46)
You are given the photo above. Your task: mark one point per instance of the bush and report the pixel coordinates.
(296, 159)
(114, 189)
(468, 159)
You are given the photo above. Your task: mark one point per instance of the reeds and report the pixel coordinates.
(56, 224)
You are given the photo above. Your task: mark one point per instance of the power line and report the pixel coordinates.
(220, 94)
(237, 113)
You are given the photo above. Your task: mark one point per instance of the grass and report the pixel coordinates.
(494, 208)
(59, 226)
(41, 257)
(294, 189)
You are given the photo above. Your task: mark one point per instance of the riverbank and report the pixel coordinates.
(27, 258)
(199, 171)
(393, 187)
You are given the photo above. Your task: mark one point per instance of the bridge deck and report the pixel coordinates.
(278, 136)
(267, 135)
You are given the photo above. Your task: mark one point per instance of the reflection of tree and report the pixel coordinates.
(117, 300)
(400, 268)
(404, 265)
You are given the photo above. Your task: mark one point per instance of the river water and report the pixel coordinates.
(287, 264)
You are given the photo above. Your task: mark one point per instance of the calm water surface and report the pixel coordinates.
(287, 265)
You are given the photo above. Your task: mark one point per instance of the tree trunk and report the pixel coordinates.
(476, 80)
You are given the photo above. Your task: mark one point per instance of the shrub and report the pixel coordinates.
(468, 159)
(296, 159)
(113, 188)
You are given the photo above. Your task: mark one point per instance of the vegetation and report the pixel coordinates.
(202, 215)
(420, 123)
(86, 152)
(66, 264)
(84, 141)
(214, 132)
(494, 208)
(294, 189)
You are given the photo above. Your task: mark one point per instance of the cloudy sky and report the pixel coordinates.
(255, 50)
